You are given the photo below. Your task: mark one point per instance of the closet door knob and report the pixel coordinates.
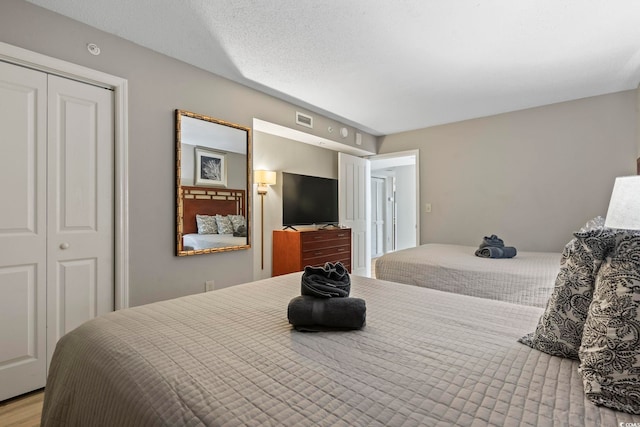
(64, 245)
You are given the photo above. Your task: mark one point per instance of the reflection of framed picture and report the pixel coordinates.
(211, 168)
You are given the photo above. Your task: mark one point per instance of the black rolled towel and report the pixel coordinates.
(329, 281)
(307, 313)
(240, 232)
(492, 240)
(495, 252)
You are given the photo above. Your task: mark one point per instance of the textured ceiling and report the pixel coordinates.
(387, 66)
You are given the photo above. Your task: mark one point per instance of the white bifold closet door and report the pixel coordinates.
(56, 219)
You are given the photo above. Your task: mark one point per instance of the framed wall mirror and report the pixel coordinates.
(213, 170)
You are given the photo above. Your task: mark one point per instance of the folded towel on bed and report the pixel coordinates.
(492, 240)
(496, 252)
(307, 313)
(329, 281)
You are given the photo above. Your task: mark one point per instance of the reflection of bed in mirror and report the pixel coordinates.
(210, 201)
(195, 241)
(199, 137)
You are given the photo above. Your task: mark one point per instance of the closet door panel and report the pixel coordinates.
(22, 230)
(18, 329)
(80, 214)
(78, 180)
(76, 300)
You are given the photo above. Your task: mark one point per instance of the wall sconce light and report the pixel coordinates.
(624, 207)
(263, 179)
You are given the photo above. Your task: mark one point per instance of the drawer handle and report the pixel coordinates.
(318, 253)
(341, 235)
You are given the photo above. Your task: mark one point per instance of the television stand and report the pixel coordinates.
(291, 227)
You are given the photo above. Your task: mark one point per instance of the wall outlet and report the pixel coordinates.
(209, 285)
(427, 207)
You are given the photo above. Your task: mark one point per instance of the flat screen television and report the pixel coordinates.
(309, 200)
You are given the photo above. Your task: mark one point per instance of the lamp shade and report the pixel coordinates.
(264, 177)
(624, 207)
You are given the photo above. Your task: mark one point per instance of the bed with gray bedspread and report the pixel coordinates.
(229, 357)
(527, 279)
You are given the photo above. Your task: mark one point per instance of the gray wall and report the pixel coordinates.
(157, 86)
(283, 155)
(530, 176)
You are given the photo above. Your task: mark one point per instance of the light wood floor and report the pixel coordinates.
(22, 411)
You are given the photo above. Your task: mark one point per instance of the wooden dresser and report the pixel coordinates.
(294, 250)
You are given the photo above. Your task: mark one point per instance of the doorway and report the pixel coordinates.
(394, 202)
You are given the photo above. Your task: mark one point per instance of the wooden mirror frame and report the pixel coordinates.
(209, 200)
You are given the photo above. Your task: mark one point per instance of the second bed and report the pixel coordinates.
(527, 279)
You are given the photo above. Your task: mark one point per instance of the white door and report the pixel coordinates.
(56, 220)
(80, 273)
(378, 205)
(354, 208)
(23, 230)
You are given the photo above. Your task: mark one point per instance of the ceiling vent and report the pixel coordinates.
(304, 120)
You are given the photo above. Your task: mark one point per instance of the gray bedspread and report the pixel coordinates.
(230, 358)
(527, 279)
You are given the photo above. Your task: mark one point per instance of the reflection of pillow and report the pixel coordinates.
(224, 225)
(610, 352)
(240, 232)
(206, 224)
(236, 221)
(559, 331)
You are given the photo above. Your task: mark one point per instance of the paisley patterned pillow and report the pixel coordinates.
(559, 331)
(237, 221)
(206, 224)
(224, 224)
(610, 351)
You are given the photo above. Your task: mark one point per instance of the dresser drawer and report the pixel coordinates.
(321, 235)
(329, 243)
(332, 252)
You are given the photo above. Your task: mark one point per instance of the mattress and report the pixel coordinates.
(196, 241)
(526, 279)
(230, 358)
